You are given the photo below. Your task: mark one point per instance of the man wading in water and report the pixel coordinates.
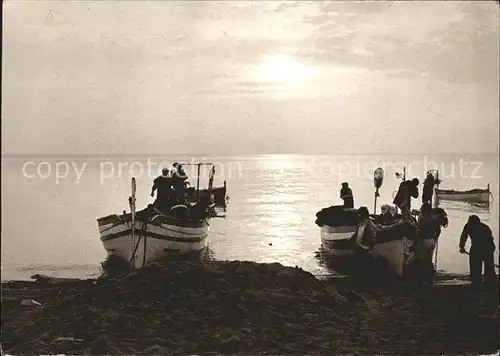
(481, 251)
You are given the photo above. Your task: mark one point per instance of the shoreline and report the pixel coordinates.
(244, 307)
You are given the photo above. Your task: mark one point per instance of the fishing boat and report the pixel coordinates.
(338, 239)
(473, 195)
(149, 235)
(395, 237)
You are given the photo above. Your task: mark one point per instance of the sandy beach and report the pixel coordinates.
(244, 308)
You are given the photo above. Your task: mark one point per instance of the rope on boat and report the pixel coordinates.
(143, 230)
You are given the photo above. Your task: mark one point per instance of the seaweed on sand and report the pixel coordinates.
(244, 307)
(114, 265)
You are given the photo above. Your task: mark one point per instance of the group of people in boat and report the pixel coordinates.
(482, 249)
(407, 189)
(170, 187)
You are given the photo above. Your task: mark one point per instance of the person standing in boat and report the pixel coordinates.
(346, 196)
(179, 178)
(163, 184)
(402, 200)
(481, 251)
(428, 189)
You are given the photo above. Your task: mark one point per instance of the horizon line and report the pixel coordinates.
(151, 154)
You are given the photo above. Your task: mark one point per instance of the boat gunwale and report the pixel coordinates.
(154, 235)
(116, 219)
(474, 191)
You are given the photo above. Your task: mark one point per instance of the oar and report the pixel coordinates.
(468, 253)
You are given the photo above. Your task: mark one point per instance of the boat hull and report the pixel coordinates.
(335, 240)
(337, 245)
(466, 196)
(154, 239)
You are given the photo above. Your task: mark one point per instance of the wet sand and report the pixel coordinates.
(247, 308)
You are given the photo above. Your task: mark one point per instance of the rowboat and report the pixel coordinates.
(149, 235)
(394, 239)
(337, 244)
(473, 195)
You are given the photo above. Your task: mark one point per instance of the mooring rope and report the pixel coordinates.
(143, 230)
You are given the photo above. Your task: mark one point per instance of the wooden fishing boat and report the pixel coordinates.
(150, 234)
(394, 243)
(473, 195)
(338, 243)
(394, 237)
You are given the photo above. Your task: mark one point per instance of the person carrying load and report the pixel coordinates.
(402, 200)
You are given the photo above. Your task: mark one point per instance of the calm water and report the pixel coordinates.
(49, 219)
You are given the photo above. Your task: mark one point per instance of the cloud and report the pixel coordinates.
(454, 42)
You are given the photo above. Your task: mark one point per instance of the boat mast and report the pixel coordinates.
(198, 181)
(131, 201)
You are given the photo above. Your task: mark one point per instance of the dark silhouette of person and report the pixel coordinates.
(407, 190)
(426, 238)
(366, 265)
(428, 189)
(366, 230)
(179, 178)
(481, 251)
(163, 184)
(346, 196)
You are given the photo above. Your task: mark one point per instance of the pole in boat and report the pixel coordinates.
(378, 178)
(211, 178)
(198, 181)
(489, 195)
(131, 201)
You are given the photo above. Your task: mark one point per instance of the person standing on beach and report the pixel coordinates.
(481, 251)
(427, 235)
(346, 196)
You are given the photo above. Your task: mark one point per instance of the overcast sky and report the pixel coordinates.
(250, 77)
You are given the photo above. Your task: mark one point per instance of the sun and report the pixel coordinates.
(282, 69)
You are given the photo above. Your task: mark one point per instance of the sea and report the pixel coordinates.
(50, 204)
